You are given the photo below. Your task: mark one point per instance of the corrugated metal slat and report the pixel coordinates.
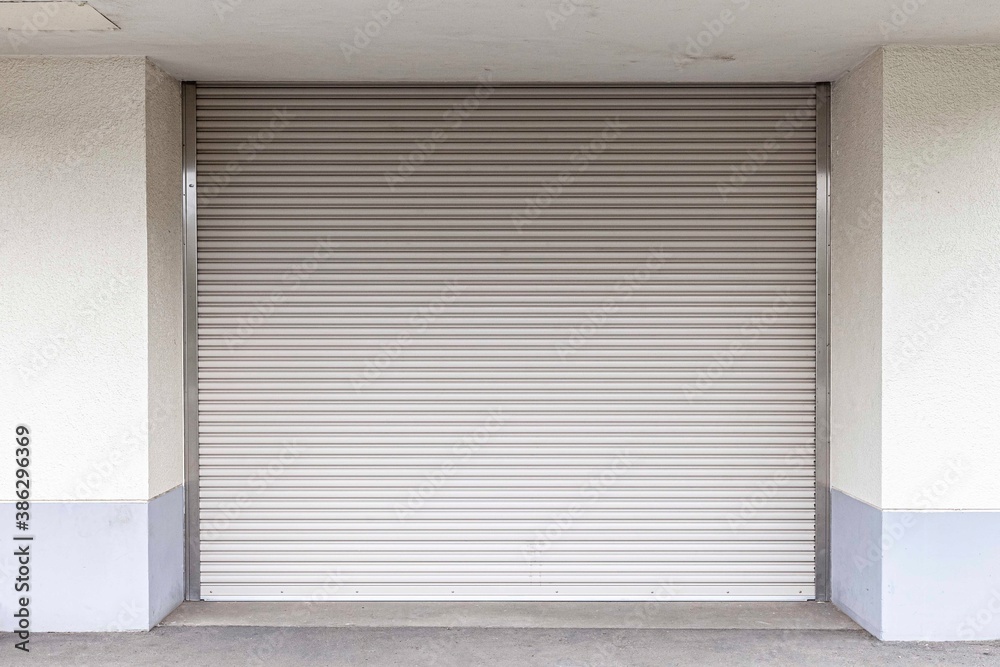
(560, 346)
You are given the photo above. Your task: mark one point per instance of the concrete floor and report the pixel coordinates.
(499, 634)
(602, 615)
(219, 646)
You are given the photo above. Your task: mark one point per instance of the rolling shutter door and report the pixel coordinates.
(506, 342)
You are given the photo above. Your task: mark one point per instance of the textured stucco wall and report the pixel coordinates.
(941, 285)
(91, 275)
(73, 177)
(166, 280)
(856, 283)
(916, 279)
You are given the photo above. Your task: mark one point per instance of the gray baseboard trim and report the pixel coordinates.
(941, 576)
(856, 563)
(166, 553)
(100, 566)
(917, 575)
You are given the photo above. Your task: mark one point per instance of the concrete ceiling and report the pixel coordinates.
(516, 40)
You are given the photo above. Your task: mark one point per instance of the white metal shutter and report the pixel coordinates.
(491, 355)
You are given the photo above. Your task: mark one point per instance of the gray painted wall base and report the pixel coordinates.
(856, 560)
(100, 566)
(904, 575)
(166, 554)
(901, 575)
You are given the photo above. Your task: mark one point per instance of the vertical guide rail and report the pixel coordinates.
(823, 342)
(191, 497)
